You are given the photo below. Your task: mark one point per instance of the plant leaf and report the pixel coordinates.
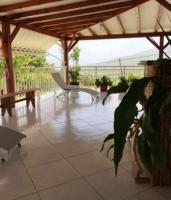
(109, 137)
(109, 149)
(124, 117)
(115, 89)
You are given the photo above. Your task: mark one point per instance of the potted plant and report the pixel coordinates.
(103, 83)
(152, 150)
(74, 74)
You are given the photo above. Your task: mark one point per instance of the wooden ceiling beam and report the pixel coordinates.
(138, 19)
(120, 36)
(121, 25)
(25, 4)
(159, 15)
(80, 19)
(165, 4)
(63, 25)
(111, 7)
(46, 32)
(72, 27)
(105, 28)
(93, 33)
(59, 8)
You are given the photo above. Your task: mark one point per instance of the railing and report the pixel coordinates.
(41, 78)
(91, 73)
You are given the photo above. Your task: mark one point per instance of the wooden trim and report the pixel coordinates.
(165, 4)
(60, 8)
(25, 4)
(14, 33)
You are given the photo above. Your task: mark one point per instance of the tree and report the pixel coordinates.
(75, 55)
(38, 61)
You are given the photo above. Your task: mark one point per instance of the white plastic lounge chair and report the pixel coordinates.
(68, 88)
(8, 139)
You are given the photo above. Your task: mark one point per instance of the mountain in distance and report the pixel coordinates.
(133, 60)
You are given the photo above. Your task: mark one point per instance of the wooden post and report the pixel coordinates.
(7, 51)
(66, 62)
(161, 47)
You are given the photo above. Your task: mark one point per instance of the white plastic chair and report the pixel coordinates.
(68, 88)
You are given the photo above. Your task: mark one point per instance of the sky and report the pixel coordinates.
(95, 51)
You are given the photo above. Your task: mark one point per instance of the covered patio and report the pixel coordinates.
(61, 158)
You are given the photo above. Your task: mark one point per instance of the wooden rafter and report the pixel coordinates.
(25, 4)
(59, 8)
(71, 27)
(111, 7)
(159, 15)
(121, 25)
(73, 44)
(105, 28)
(80, 19)
(138, 19)
(93, 33)
(165, 4)
(64, 25)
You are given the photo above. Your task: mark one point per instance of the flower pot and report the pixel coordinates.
(103, 88)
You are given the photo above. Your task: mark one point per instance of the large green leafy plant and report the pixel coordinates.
(126, 114)
(74, 74)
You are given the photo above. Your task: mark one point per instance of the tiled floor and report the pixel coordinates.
(60, 158)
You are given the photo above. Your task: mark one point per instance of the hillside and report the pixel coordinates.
(133, 60)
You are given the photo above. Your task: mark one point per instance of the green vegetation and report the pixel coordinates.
(75, 55)
(74, 74)
(149, 141)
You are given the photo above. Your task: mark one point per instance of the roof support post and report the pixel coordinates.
(66, 60)
(7, 52)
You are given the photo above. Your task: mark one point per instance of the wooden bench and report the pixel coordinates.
(7, 101)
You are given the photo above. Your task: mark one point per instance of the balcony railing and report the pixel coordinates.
(41, 78)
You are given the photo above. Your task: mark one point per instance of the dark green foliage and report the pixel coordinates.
(149, 143)
(74, 74)
(104, 80)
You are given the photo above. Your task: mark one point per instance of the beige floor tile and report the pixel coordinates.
(73, 148)
(35, 142)
(30, 197)
(52, 174)
(111, 187)
(90, 163)
(40, 156)
(77, 190)
(150, 195)
(15, 184)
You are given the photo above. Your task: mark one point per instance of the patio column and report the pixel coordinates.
(67, 47)
(66, 61)
(7, 53)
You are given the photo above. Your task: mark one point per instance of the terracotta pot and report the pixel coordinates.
(103, 88)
